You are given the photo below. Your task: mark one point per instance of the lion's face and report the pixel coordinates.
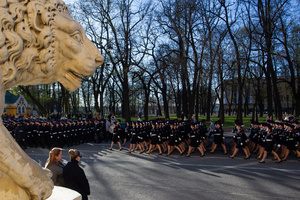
(43, 45)
(76, 56)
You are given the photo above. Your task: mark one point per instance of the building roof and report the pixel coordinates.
(11, 98)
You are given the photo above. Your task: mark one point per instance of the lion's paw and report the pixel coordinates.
(42, 185)
(47, 172)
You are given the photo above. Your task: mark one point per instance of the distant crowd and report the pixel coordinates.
(55, 131)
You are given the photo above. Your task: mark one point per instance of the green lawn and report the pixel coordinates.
(229, 120)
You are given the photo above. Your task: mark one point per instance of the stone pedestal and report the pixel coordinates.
(60, 193)
(9, 190)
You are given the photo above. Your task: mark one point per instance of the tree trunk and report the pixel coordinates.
(165, 100)
(65, 99)
(88, 97)
(101, 109)
(197, 103)
(158, 104)
(35, 101)
(222, 114)
(96, 95)
(146, 108)
(84, 98)
(126, 107)
(297, 99)
(184, 98)
(178, 103)
(273, 78)
(238, 63)
(208, 103)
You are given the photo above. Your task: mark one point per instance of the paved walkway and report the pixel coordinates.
(117, 175)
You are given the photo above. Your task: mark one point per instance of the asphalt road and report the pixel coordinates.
(117, 175)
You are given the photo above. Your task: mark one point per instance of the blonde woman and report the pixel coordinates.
(56, 166)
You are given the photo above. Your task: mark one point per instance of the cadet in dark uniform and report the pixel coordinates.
(81, 131)
(66, 134)
(194, 141)
(254, 129)
(102, 131)
(133, 139)
(76, 135)
(127, 133)
(261, 137)
(297, 134)
(116, 136)
(139, 132)
(278, 133)
(20, 135)
(11, 125)
(240, 141)
(35, 130)
(203, 131)
(218, 137)
(173, 137)
(71, 132)
(154, 140)
(84, 133)
(181, 142)
(232, 143)
(41, 134)
(291, 142)
(164, 136)
(60, 134)
(97, 132)
(54, 135)
(268, 146)
(51, 138)
(146, 136)
(47, 134)
(91, 130)
(28, 134)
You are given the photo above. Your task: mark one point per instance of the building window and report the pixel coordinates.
(23, 109)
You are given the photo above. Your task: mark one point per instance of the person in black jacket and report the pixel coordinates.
(74, 175)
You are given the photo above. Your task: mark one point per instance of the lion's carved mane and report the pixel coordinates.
(27, 36)
(39, 44)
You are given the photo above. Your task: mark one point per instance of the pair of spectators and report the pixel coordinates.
(71, 175)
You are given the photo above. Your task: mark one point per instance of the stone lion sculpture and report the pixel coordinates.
(39, 44)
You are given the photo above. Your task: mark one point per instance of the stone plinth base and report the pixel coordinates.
(60, 193)
(9, 190)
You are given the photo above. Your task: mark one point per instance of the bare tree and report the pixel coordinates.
(268, 13)
(288, 37)
(118, 22)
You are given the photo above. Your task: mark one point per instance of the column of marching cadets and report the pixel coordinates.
(279, 139)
